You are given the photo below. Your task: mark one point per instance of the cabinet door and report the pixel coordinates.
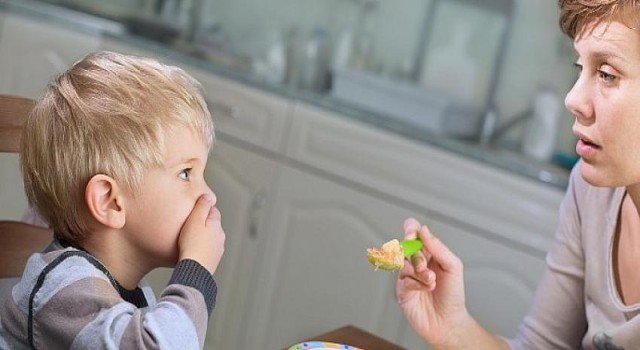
(32, 52)
(244, 112)
(314, 275)
(443, 183)
(243, 185)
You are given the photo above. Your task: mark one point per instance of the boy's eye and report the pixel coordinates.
(184, 174)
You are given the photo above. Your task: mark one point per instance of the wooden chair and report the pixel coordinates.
(18, 240)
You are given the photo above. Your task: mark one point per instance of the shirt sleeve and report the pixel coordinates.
(557, 318)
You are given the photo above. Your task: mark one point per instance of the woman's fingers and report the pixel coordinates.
(439, 252)
(418, 269)
(411, 227)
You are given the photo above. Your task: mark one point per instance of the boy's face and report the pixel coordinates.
(156, 213)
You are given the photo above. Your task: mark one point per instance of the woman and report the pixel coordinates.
(589, 296)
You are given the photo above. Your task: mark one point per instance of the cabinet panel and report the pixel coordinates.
(32, 52)
(445, 184)
(314, 275)
(244, 112)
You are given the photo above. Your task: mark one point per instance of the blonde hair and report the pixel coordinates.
(107, 114)
(578, 17)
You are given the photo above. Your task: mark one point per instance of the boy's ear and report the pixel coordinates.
(105, 201)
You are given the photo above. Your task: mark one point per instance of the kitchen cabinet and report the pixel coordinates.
(499, 225)
(244, 113)
(313, 274)
(32, 52)
(494, 203)
(244, 184)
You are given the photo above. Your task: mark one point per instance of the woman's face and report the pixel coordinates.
(605, 101)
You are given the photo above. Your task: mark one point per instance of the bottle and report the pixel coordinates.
(343, 51)
(315, 67)
(541, 132)
(276, 59)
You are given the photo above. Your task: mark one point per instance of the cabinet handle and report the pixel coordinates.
(259, 200)
(216, 107)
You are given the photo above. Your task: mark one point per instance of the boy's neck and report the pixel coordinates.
(119, 259)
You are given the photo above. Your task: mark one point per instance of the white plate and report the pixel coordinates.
(322, 345)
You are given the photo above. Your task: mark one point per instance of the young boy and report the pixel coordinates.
(113, 157)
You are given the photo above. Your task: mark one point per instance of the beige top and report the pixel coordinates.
(577, 304)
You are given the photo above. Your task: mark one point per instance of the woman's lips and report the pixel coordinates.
(586, 148)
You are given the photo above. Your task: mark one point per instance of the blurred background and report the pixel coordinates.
(481, 61)
(335, 120)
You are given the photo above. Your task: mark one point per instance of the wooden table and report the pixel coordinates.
(354, 336)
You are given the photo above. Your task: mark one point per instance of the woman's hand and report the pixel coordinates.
(430, 289)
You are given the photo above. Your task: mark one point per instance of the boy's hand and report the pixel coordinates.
(202, 237)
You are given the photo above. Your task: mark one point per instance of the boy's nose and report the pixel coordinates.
(210, 192)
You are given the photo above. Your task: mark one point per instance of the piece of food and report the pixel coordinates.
(389, 257)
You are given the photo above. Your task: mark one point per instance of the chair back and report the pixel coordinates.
(18, 240)
(13, 113)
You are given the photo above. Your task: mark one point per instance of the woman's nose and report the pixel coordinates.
(578, 101)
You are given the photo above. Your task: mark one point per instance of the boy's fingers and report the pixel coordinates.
(202, 209)
(214, 215)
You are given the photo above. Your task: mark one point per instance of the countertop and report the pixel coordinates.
(513, 162)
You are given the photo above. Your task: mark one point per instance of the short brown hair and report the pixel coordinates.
(107, 114)
(577, 16)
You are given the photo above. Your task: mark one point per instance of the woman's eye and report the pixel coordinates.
(606, 77)
(184, 174)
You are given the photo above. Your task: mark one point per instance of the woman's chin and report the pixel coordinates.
(598, 176)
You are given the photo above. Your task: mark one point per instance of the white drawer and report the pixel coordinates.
(445, 185)
(245, 113)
